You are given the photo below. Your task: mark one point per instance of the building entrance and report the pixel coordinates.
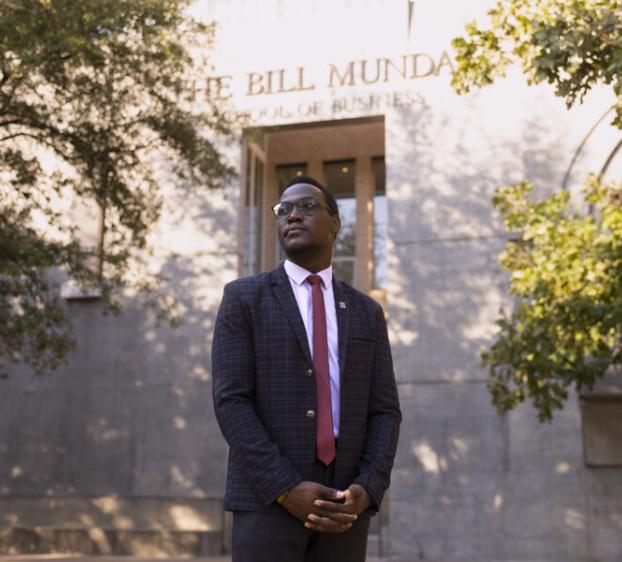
(348, 157)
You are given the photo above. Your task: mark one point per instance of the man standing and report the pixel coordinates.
(305, 395)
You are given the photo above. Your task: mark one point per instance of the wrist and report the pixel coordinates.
(366, 499)
(282, 497)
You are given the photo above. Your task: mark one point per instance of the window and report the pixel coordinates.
(347, 156)
(89, 217)
(339, 175)
(601, 413)
(252, 210)
(381, 223)
(286, 172)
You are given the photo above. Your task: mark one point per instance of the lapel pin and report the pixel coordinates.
(342, 304)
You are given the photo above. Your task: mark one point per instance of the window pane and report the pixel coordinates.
(247, 177)
(381, 223)
(258, 198)
(286, 172)
(340, 182)
(247, 258)
(343, 269)
(251, 215)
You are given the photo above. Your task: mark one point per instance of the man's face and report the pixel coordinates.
(302, 234)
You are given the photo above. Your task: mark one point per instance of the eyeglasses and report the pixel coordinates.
(306, 205)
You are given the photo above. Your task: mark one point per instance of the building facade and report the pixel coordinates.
(120, 450)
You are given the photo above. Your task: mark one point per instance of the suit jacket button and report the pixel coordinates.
(310, 413)
(309, 372)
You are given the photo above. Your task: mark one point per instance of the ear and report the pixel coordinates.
(335, 225)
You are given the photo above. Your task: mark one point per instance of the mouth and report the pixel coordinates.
(293, 230)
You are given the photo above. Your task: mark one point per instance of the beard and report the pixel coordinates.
(301, 251)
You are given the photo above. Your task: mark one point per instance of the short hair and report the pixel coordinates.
(331, 202)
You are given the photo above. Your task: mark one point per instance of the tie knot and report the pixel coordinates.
(314, 279)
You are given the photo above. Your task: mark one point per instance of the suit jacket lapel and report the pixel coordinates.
(285, 296)
(343, 322)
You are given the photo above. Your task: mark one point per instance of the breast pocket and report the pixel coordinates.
(361, 353)
(364, 338)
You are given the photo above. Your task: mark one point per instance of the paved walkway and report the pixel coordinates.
(103, 558)
(80, 558)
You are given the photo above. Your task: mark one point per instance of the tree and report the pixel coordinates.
(105, 89)
(566, 272)
(565, 262)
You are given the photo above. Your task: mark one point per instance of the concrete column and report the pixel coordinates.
(364, 191)
(269, 238)
(315, 169)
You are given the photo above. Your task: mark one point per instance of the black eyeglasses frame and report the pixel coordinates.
(289, 207)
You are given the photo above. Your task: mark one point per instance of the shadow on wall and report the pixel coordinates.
(445, 285)
(468, 484)
(124, 438)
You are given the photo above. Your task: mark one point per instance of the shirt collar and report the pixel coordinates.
(299, 274)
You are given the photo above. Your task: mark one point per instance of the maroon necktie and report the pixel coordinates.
(325, 437)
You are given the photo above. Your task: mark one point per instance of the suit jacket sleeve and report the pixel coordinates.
(384, 418)
(233, 372)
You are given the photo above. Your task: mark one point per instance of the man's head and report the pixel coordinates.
(329, 198)
(307, 220)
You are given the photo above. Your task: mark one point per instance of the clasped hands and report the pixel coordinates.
(326, 509)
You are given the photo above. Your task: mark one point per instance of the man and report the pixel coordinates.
(305, 395)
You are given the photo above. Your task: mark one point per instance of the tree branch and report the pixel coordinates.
(610, 158)
(582, 144)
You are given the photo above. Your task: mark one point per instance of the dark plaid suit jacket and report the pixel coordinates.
(264, 386)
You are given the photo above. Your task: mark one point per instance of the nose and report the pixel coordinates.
(296, 214)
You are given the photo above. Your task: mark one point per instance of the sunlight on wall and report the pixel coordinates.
(150, 335)
(481, 328)
(461, 448)
(86, 520)
(98, 536)
(107, 504)
(99, 430)
(574, 519)
(180, 478)
(200, 373)
(428, 458)
(179, 423)
(497, 502)
(185, 518)
(123, 522)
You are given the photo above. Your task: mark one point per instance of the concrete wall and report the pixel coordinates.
(131, 416)
(468, 484)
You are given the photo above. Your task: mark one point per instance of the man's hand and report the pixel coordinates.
(301, 502)
(356, 500)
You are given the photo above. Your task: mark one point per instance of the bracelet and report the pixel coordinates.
(282, 497)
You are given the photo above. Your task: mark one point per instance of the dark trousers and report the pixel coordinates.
(273, 535)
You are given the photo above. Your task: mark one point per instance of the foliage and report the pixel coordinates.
(566, 271)
(566, 264)
(93, 93)
(572, 44)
